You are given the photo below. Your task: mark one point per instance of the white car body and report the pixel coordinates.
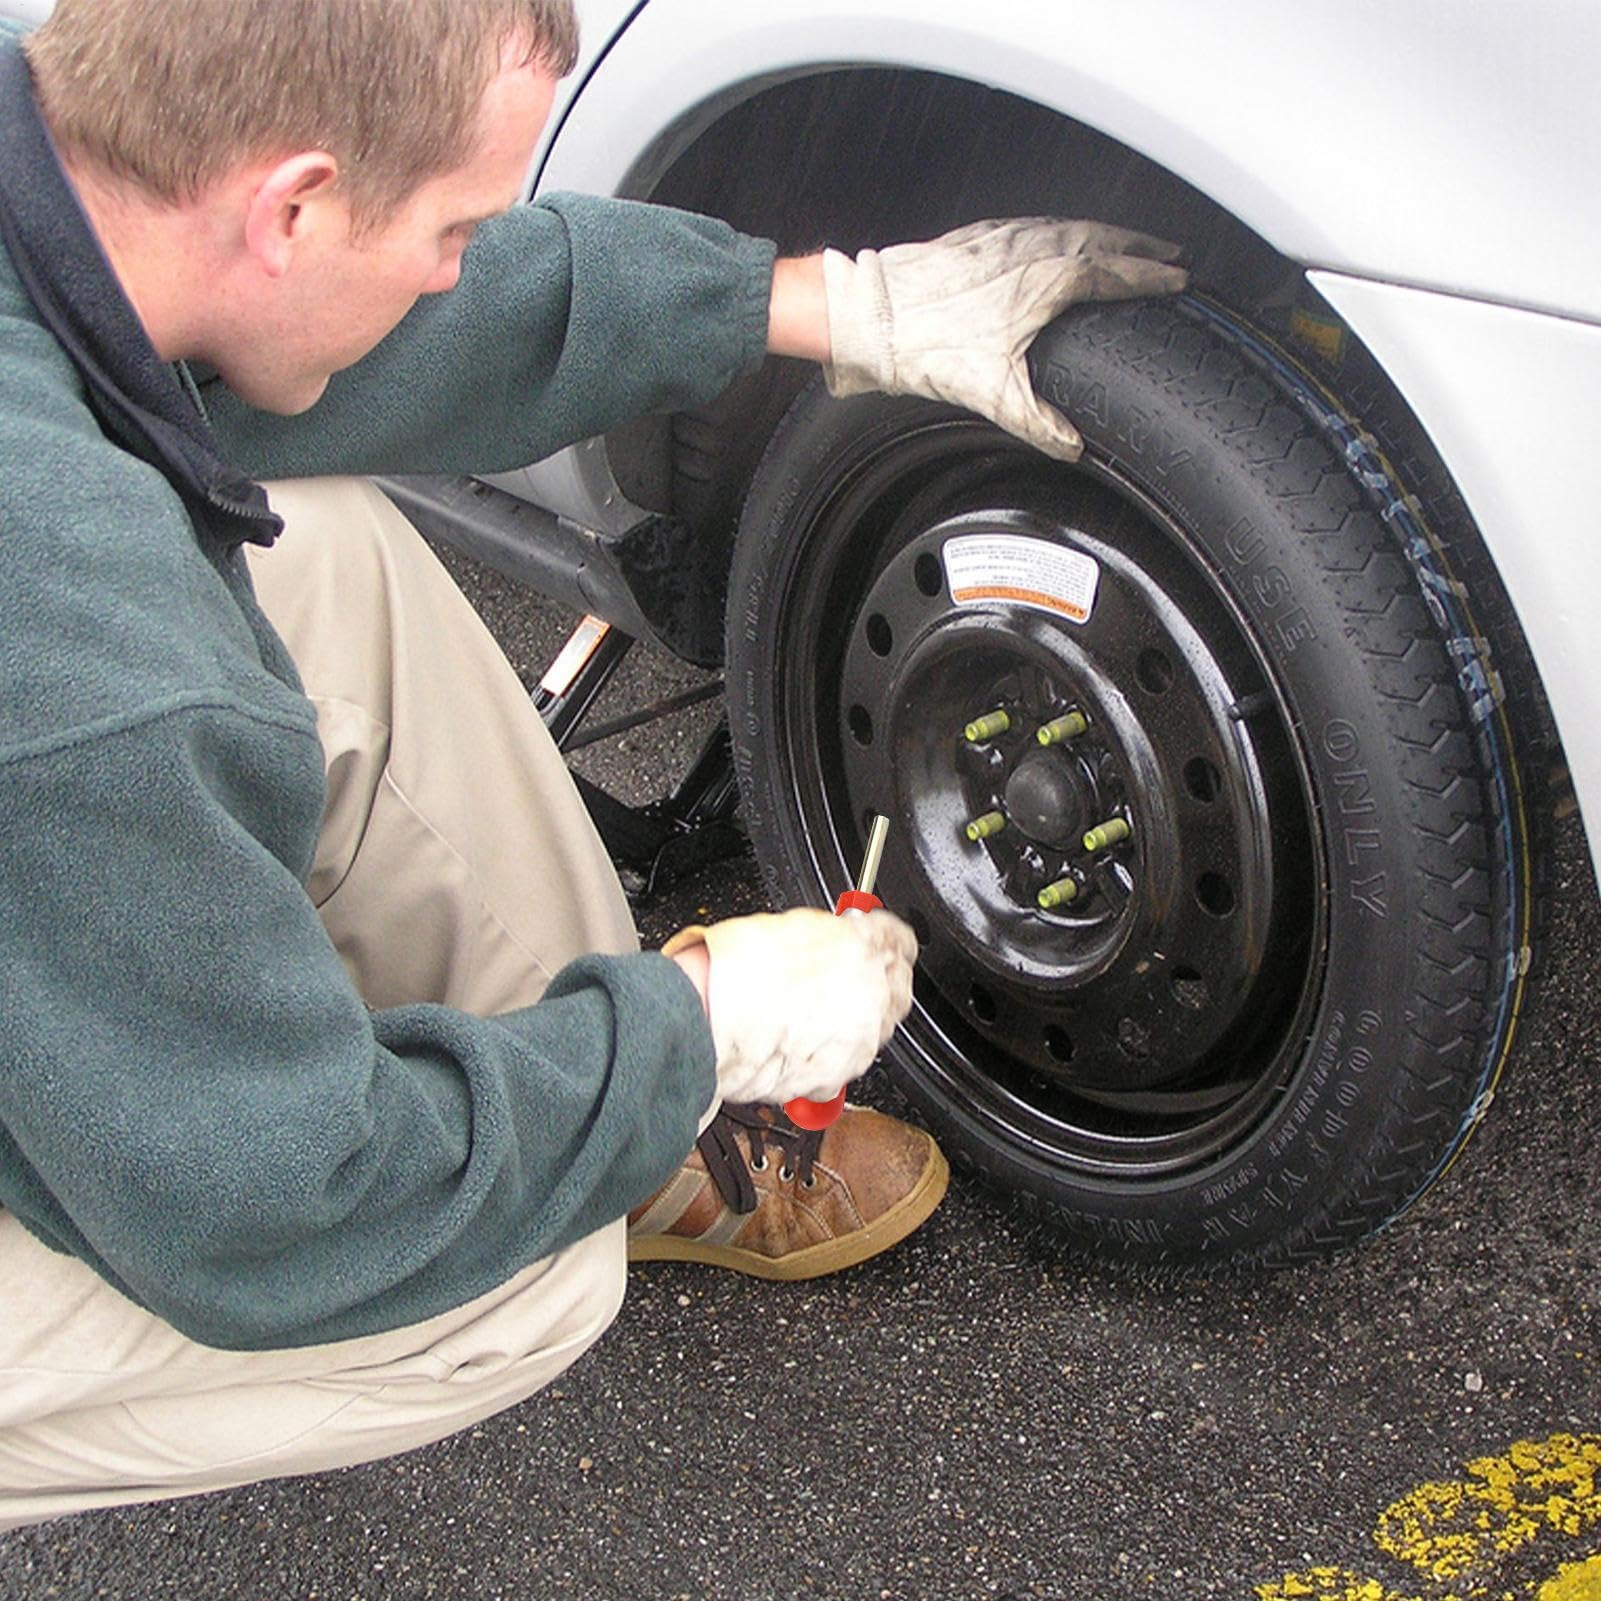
(1430, 163)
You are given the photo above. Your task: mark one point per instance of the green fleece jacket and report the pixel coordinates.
(193, 1099)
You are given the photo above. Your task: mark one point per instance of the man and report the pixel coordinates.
(330, 1071)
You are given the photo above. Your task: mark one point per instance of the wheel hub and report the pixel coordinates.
(1048, 798)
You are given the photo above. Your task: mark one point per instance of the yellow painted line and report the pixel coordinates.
(1458, 1537)
(1577, 1581)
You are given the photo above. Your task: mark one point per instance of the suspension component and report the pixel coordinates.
(986, 727)
(1060, 729)
(991, 823)
(1104, 835)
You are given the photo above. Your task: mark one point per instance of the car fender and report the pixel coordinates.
(1427, 143)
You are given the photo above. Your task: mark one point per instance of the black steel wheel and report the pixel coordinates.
(1208, 828)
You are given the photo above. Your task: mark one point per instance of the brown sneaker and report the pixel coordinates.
(762, 1196)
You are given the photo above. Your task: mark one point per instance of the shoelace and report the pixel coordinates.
(724, 1143)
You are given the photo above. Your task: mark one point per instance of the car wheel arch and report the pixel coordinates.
(934, 143)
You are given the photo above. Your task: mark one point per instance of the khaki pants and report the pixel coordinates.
(456, 864)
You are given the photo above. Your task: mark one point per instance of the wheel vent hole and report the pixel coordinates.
(880, 636)
(927, 575)
(1189, 988)
(1215, 894)
(861, 725)
(1203, 780)
(1134, 1039)
(982, 1002)
(1059, 1043)
(1154, 671)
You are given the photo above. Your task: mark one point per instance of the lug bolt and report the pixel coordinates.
(1058, 894)
(1112, 832)
(986, 727)
(983, 827)
(1062, 728)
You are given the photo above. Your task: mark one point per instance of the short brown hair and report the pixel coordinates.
(171, 94)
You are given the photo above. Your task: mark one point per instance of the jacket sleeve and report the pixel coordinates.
(195, 1101)
(572, 315)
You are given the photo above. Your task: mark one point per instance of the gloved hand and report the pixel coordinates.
(953, 319)
(800, 1002)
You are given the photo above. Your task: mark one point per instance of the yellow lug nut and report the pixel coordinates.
(986, 727)
(983, 827)
(1062, 728)
(1112, 832)
(1058, 894)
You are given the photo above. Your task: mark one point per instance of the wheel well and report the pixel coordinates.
(855, 157)
(870, 156)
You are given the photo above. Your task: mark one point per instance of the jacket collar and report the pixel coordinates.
(137, 398)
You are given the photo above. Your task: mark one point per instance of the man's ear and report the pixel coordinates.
(286, 201)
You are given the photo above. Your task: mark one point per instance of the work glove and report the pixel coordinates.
(952, 319)
(800, 1002)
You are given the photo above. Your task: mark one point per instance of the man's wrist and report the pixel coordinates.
(797, 318)
(695, 962)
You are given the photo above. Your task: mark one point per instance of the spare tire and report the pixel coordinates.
(1251, 1019)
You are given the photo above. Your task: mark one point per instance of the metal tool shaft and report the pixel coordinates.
(875, 854)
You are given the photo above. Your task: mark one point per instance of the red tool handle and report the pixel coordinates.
(819, 1114)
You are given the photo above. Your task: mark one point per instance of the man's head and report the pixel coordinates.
(326, 159)
(168, 95)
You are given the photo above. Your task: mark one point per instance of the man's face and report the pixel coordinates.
(343, 295)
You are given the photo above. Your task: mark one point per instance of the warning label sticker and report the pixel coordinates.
(1027, 572)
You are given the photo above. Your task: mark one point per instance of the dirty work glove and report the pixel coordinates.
(800, 1002)
(953, 319)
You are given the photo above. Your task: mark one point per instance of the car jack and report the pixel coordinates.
(651, 845)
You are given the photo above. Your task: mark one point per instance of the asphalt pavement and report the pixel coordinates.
(978, 1415)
